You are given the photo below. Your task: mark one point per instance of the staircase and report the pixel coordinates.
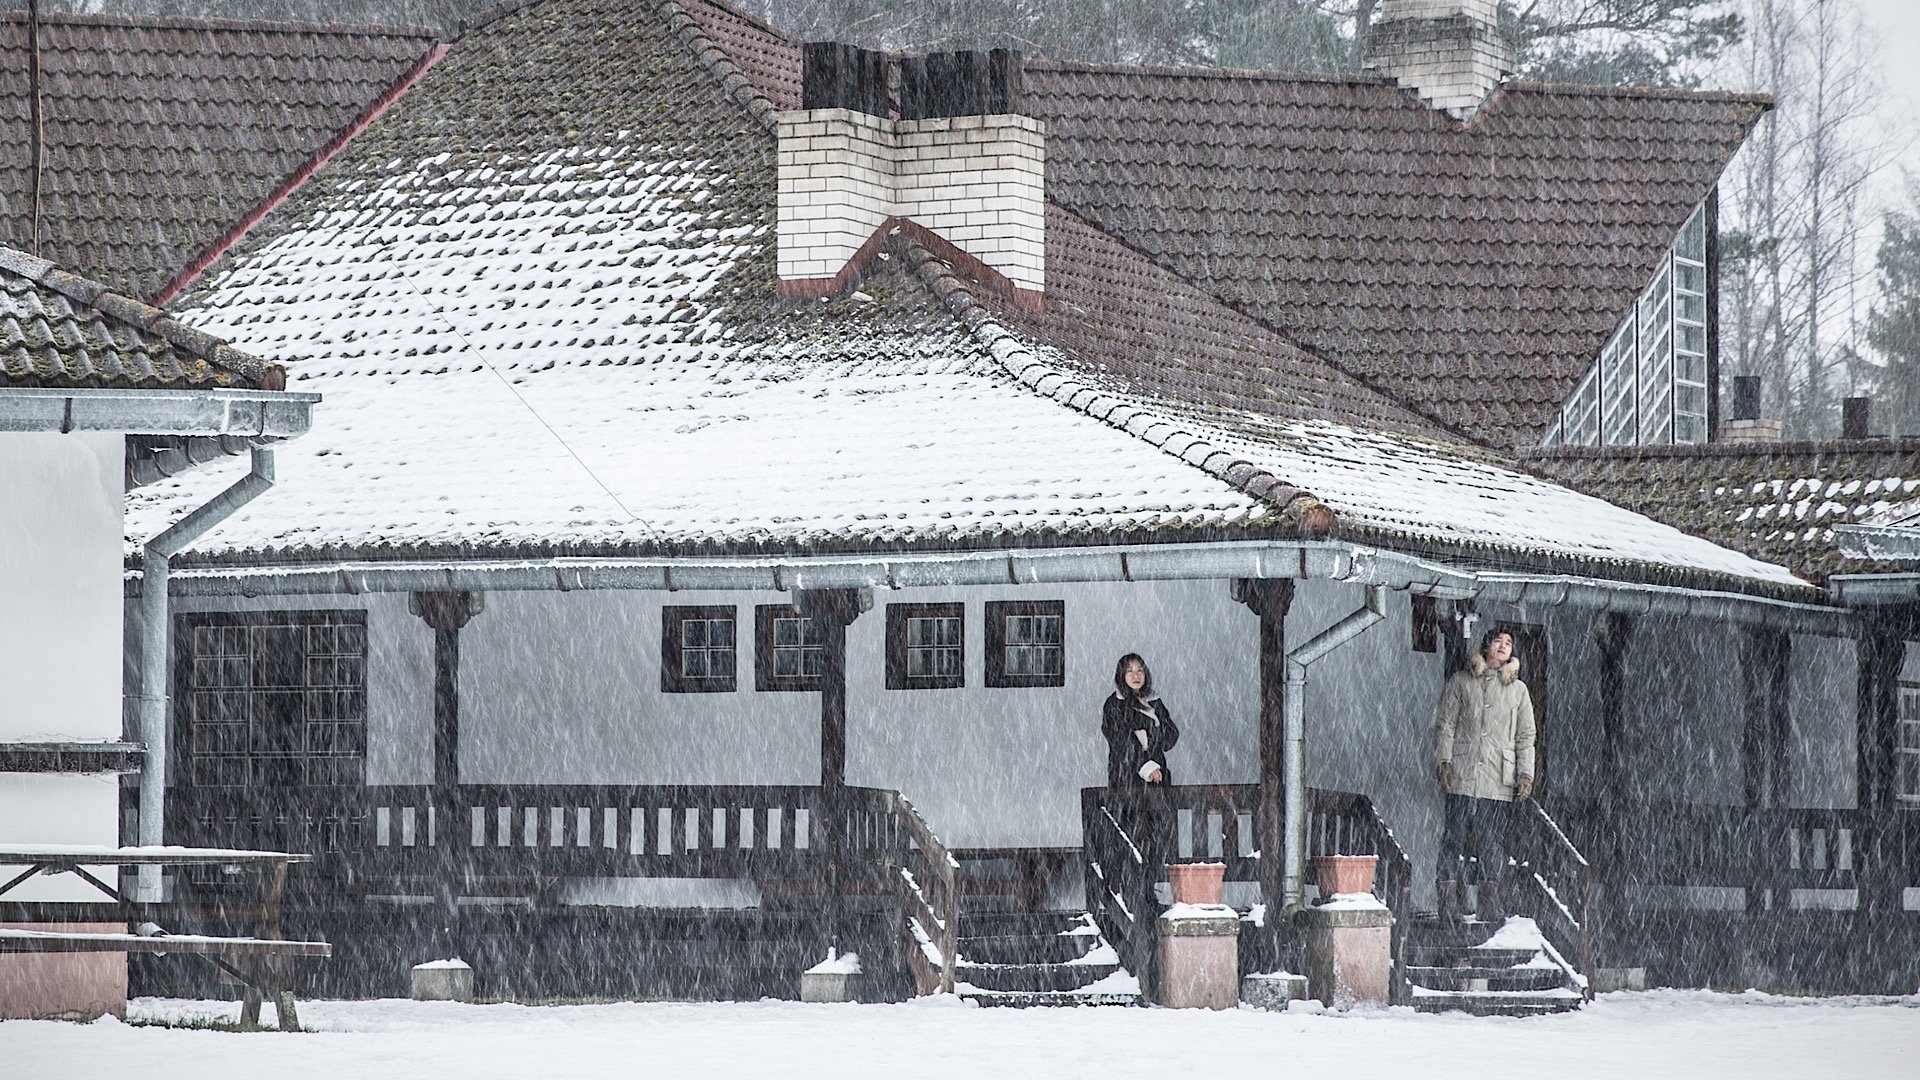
(1468, 968)
(1040, 958)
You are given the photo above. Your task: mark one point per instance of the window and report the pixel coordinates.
(926, 646)
(274, 699)
(696, 650)
(1024, 643)
(1649, 385)
(1906, 746)
(790, 649)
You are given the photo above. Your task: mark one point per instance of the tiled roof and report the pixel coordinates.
(544, 320)
(62, 331)
(1472, 272)
(768, 57)
(160, 134)
(1773, 501)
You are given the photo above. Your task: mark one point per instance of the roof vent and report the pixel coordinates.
(1450, 52)
(954, 162)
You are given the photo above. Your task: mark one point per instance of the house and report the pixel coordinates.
(98, 393)
(741, 463)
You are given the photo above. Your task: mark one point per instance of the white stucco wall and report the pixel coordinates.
(60, 550)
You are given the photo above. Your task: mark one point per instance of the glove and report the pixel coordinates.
(1443, 773)
(1523, 789)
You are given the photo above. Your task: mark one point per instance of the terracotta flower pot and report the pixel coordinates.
(1196, 883)
(1344, 873)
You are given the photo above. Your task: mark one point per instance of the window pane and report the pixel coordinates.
(919, 663)
(693, 663)
(813, 662)
(920, 631)
(786, 662)
(720, 632)
(720, 663)
(693, 633)
(1047, 629)
(787, 631)
(949, 663)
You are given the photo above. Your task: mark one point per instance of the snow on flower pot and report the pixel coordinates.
(1196, 883)
(1338, 874)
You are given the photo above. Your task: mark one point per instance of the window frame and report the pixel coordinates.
(897, 619)
(765, 678)
(1906, 742)
(191, 697)
(998, 612)
(672, 679)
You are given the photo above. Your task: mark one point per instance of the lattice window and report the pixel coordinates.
(275, 699)
(926, 646)
(791, 649)
(697, 650)
(1906, 753)
(1026, 643)
(1649, 384)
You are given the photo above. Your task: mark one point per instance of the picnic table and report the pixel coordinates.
(257, 961)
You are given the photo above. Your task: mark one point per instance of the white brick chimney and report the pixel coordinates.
(972, 184)
(1450, 52)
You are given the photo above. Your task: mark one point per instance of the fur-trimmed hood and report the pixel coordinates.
(1477, 664)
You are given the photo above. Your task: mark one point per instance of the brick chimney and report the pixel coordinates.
(1450, 52)
(1743, 423)
(932, 144)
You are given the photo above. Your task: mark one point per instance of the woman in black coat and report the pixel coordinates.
(1139, 733)
(1138, 730)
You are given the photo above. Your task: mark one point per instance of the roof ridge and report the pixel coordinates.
(143, 317)
(1156, 429)
(170, 22)
(717, 61)
(1744, 97)
(1164, 71)
(1878, 444)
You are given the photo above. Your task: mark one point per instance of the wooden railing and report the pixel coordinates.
(1759, 849)
(927, 879)
(384, 836)
(1557, 883)
(1217, 823)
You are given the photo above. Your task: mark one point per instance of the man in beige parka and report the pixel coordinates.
(1483, 760)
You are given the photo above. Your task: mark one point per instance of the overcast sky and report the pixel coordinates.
(1898, 24)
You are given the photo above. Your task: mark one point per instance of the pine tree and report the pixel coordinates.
(1893, 324)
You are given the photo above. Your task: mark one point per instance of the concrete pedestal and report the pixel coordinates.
(1349, 953)
(837, 978)
(1273, 990)
(443, 980)
(1199, 957)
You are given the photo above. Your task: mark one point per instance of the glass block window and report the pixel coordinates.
(790, 649)
(1026, 643)
(697, 650)
(926, 646)
(1649, 384)
(1906, 752)
(274, 699)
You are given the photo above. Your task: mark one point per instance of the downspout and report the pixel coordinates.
(156, 645)
(1294, 731)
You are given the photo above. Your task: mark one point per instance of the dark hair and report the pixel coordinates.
(1493, 631)
(1120, 676)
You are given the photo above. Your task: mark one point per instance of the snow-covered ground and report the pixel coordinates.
(1695, 1035)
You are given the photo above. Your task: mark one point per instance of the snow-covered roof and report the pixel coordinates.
(542, 317)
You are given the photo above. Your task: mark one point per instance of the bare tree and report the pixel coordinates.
(1794, 209)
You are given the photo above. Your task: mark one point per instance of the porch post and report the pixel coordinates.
(1763, 743)
(1270, 598)
(446, 613)
(833, 610)
(1616, 634)
(1878, 840)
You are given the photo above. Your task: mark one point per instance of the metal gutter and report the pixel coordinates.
(1880, 543)
(1874, 590)
(274, 414)
(156, 646)
(1293, 712)
(1534, 592)
(1140, 562)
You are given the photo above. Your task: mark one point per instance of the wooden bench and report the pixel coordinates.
(258, 962)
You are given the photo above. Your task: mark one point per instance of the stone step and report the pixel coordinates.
(1003, 949)
(1472, 956)
(1497, 979)
(1494, 1003)
(1053, 1000)
(1022, 923)
(1032, 978)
